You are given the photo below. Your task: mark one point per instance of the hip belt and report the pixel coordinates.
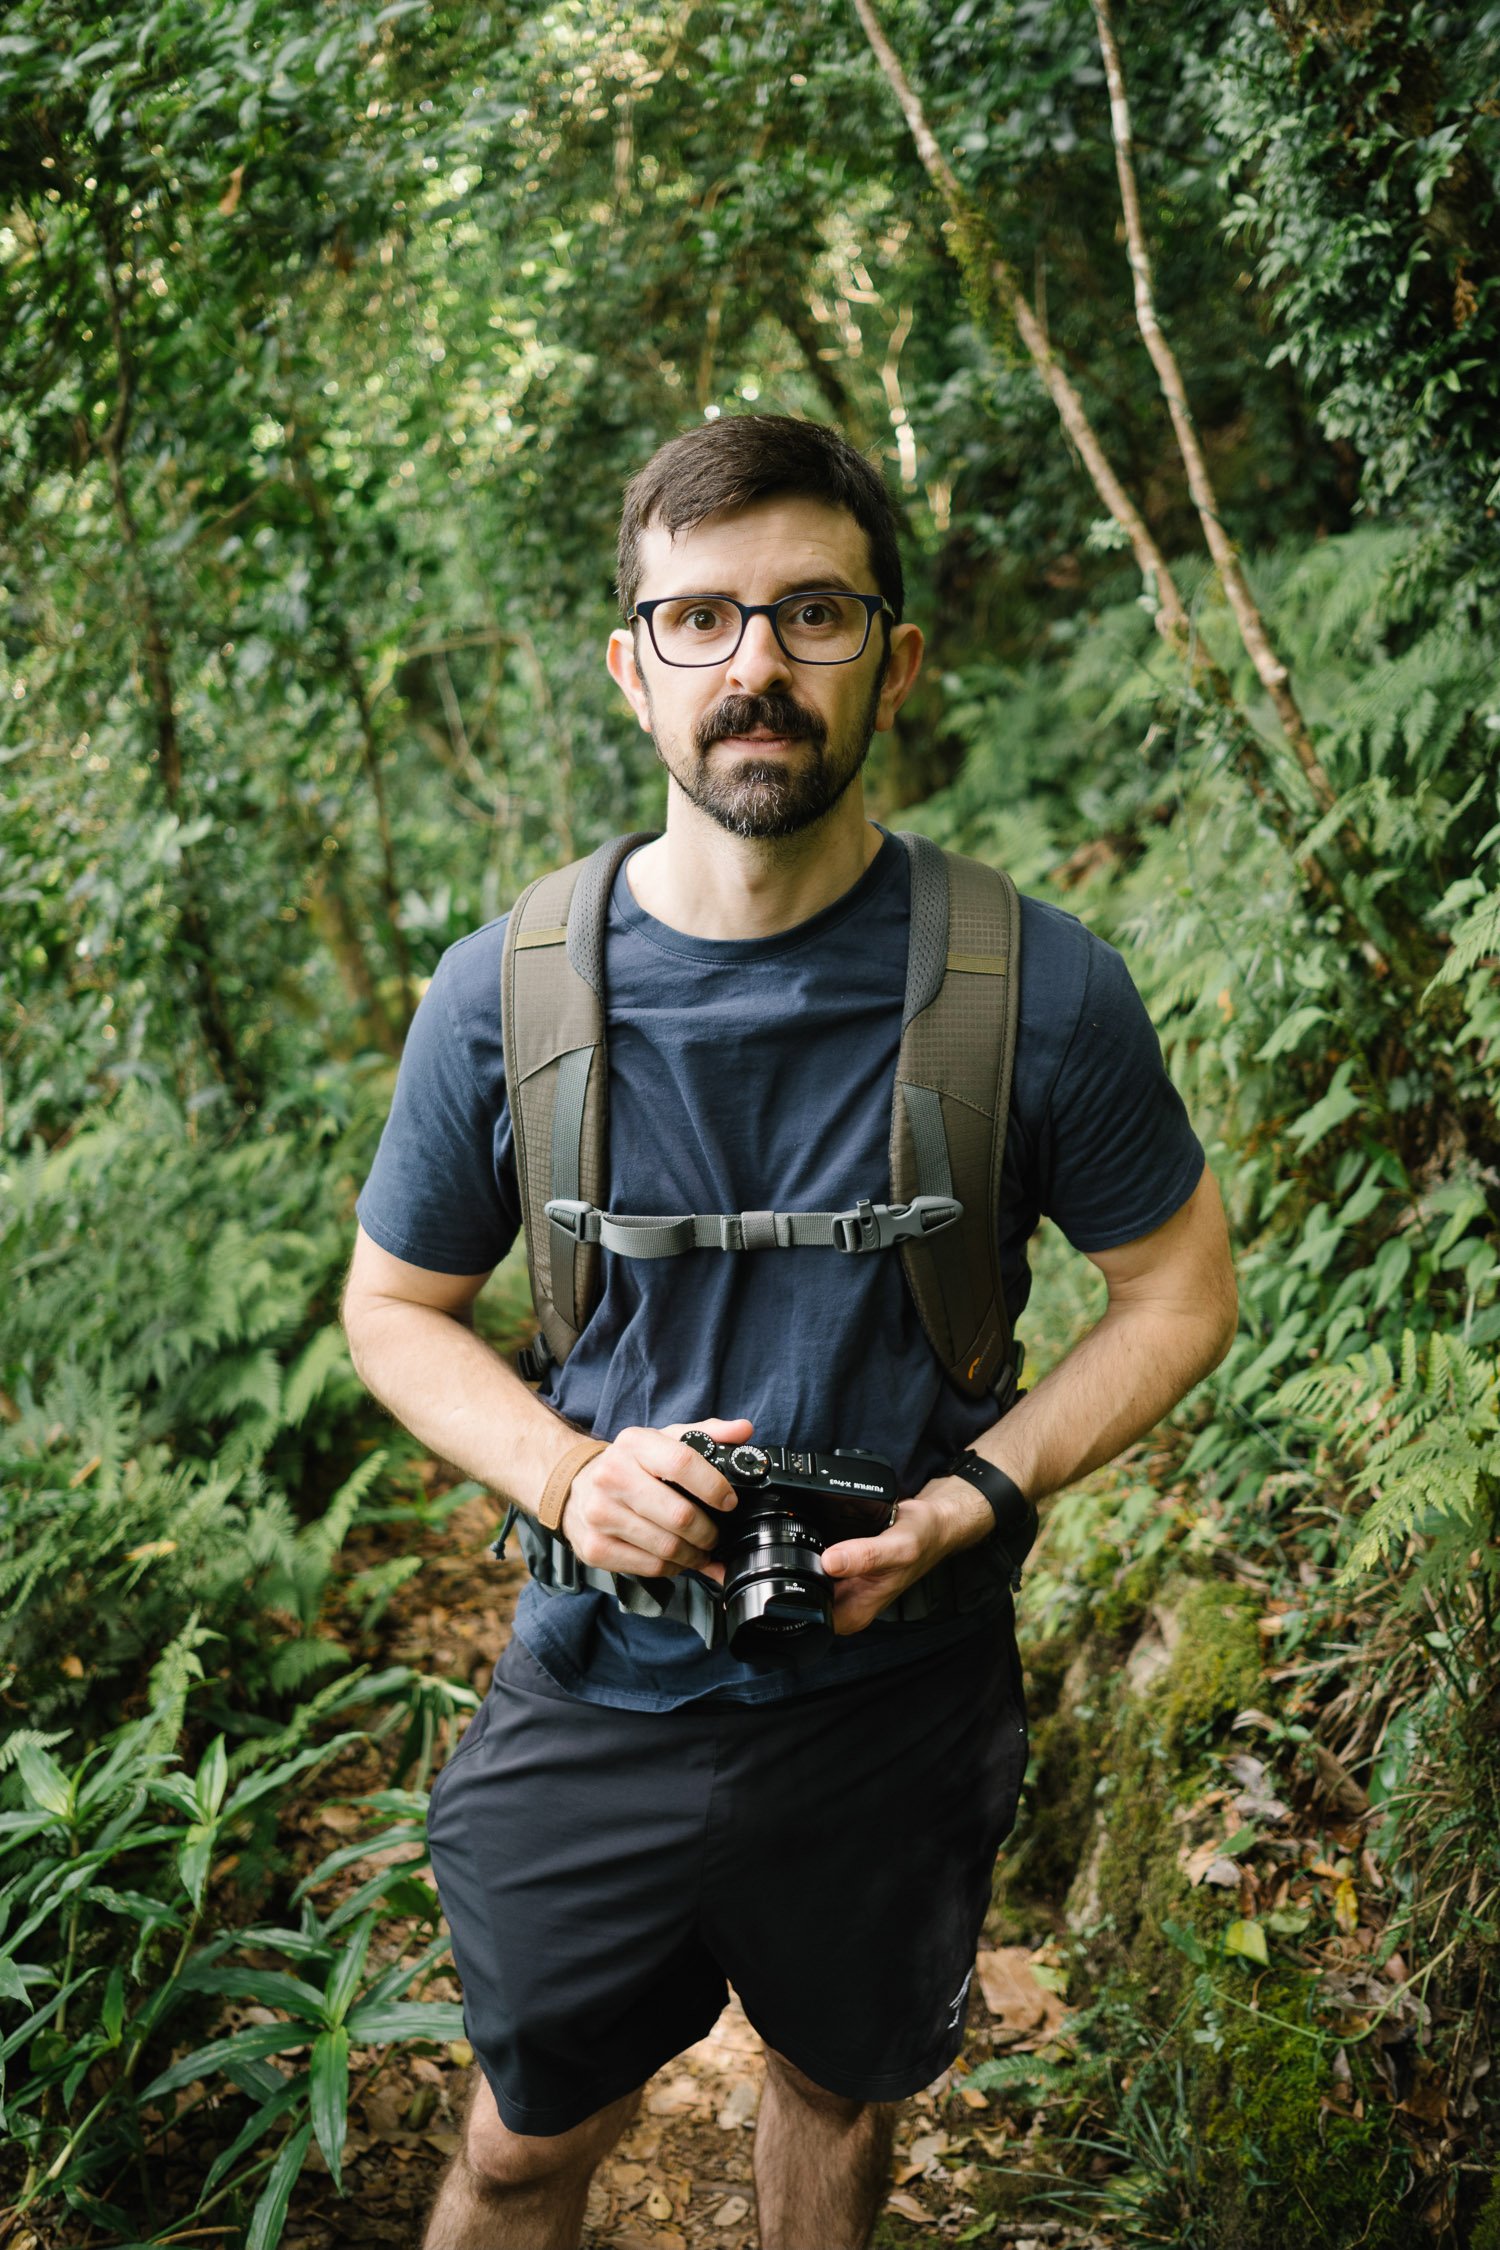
(957, 1585)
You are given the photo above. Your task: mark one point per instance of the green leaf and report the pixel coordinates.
(1340, 1102)
(241, 2046)
(1248, 1940)
(1289, 1031)
(1186, 1942)
(269, 1987)
(195, 1858)
(270, 2212)
(12, 1983)
(286, 2094)
(213, 1778)
(330, 2097)
(44, 1781)
(347, 1971)
(379, 2025)
(112, 2014)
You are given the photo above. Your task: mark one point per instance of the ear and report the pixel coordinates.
(900, 673)
(625, 672)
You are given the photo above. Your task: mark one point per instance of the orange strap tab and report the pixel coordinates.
(560, 1483)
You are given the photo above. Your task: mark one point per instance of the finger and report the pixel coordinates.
(896, 1548)
(654, 1516)
(858, 1558)
(675, 1463)
(723, 1433)
(620, 1554)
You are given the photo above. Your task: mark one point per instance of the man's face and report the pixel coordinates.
(764, 745)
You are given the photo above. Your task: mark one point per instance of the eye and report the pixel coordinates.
(814, 612)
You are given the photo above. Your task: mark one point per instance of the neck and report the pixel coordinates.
(708, 883)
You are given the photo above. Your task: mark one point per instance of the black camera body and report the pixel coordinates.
(778, 1601)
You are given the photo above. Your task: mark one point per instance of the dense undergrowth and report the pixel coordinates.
(328, 347)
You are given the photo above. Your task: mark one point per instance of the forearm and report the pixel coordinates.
(458, 1397)
(1113, 1386)
(1117, 1383)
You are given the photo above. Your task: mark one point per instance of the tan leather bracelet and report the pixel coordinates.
(557, 1487)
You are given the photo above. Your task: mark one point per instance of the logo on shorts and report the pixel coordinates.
(956, 2006)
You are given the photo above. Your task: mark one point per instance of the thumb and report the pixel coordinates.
(851, 1558)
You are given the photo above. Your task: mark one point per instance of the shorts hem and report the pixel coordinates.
(863, 2086)
(546, 2122)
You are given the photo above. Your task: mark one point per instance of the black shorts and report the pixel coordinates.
(606, 1873)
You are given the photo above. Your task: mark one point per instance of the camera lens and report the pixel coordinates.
(777, 1601)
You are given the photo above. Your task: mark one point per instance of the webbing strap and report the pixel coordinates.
(567, 1145)
(924, 1109)
(869, 1226)
(956, 1585)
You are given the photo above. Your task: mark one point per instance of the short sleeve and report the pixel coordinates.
(1118, 1154)
(442, 1191)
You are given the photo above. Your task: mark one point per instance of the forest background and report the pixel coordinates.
(330, 336)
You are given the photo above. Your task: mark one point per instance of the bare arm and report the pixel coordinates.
(414, 1347)
(1170, 1319)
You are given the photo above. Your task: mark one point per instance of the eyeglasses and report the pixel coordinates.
(812, 628)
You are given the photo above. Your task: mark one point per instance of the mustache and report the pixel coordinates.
(749, 714)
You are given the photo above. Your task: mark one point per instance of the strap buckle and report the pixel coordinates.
(580, 1220)
(877, 1226)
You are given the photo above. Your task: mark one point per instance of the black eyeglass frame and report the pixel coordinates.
(874, 605)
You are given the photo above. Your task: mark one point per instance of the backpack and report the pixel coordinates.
(950, 1108)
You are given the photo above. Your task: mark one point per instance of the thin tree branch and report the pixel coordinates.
(1270, 670)
(992, 279)
(992, 285)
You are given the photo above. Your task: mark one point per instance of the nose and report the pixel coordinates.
(760, 662)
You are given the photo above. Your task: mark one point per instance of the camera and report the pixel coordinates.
(778, 1602)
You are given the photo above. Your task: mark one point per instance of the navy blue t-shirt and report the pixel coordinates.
(757, 1074)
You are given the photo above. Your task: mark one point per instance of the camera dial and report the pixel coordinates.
(749, 1461)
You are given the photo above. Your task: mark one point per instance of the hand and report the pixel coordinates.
(869, 1574)
(624, 1510)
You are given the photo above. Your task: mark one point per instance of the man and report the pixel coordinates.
(632, 1818)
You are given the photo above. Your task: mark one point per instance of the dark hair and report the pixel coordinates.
(743, 458)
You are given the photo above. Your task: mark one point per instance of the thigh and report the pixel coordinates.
(566, 1842)
(851, 1867)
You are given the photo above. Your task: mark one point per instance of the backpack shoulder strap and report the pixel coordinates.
(952, 1101)
(552, 1026)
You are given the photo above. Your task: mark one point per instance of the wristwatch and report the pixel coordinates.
(1015, 1517)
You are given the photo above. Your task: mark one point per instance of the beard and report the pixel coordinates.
(771, 798)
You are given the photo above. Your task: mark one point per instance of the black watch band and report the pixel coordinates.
(1015, 1517)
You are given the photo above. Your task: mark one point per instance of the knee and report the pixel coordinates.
(838, 2109)
(500, 2159)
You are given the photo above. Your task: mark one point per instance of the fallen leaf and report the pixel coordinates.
(1248, 1940)
(229, 201)
(972, 2098)
(446, 2143)
(72, 1667)
(907, 2205)
(1345, 1906)
(740, 2104)
(658, 2205)
(1013, 1992)
(730, 2214)
(678, 2095)
(1206, 1863)
(460, 2052)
